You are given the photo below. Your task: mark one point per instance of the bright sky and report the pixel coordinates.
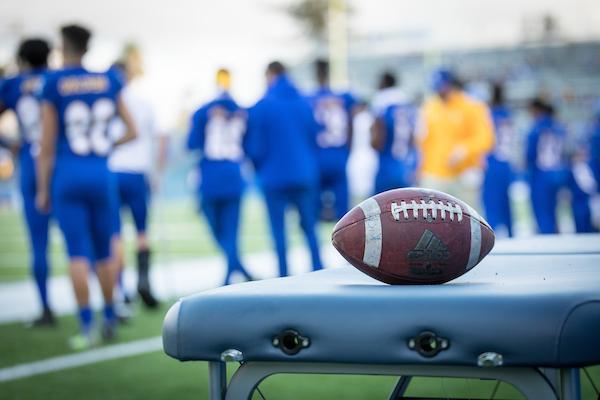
(184, 41)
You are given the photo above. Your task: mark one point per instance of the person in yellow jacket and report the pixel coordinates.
(455, 135)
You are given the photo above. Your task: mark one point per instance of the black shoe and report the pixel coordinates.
(109, 332)
(45, 320)
(143, 286)
(147, 298)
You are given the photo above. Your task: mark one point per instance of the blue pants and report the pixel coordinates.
(496, 201)
(37, 227)
(336, 183)
(223, 216)
(544, 199)
(83, 203)
(132, 192)
(303, 199)
(581, 207)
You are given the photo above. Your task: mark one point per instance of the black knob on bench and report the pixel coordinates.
(428, 344)
(290, 342)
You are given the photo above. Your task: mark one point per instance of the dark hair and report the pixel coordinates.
(34, 52)
(387, 80)
(541, 105)
(75, 38)
(322, 69)
(497, 94)
(276, 68)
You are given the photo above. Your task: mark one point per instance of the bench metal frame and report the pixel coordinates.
(532, 382)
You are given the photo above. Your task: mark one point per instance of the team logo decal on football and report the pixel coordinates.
(427, 254)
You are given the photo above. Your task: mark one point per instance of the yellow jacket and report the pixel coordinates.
(460, 124)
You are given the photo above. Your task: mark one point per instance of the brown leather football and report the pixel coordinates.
(413, 236)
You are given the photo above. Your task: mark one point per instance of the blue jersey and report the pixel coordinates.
(333, 112)
(21, 94)
(217, 130)
(398, 157)
(86, 105)
(281, 138)
(546, 150)
(505, 133)
(595, 148)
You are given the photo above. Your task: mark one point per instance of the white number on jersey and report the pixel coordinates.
(403, 132)
(29, 114)
(331, 113)
(504, 140)
(549, 151)
(86, 128)
(223, 136)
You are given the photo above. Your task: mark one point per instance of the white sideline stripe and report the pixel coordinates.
(80, 359)
(171, 279)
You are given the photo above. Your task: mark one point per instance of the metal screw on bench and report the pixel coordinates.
(490, 359)
(232, 355)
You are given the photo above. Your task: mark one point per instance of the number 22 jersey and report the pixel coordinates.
(86, 104)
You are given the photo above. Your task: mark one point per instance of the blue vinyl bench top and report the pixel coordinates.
(533, 309)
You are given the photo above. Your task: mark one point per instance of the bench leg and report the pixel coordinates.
(400, 388)
(529, 381)
(570, 387)
(217, 376)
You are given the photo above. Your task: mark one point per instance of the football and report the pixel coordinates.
(413, 236)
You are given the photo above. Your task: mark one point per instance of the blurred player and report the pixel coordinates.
(595, 164)
(281, 142)
(77, 108)
(333, 111)
(21, 94)
(455, 136)
(546, 164)
(217, 130)
(388, 93)
(499, 174)
(392, 136)
(132, 164)
(584, 189)
(595, 142)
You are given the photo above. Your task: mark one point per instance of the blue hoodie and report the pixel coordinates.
(281, 138)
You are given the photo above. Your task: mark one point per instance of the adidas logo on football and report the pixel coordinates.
(429, 248)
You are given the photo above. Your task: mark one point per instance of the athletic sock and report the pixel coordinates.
(109, 314)
(85, 319)
(143, 264)
(143, 286)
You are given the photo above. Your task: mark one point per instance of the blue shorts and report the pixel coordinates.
(83, 198)
(132, 192)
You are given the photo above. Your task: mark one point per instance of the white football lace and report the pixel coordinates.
(402, 210)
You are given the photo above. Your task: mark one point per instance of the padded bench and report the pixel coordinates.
(527, 316)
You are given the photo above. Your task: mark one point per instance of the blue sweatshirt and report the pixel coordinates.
(281, 138)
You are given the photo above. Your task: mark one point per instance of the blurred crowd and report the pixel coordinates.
(86, 152)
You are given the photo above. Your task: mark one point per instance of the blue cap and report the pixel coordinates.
(442, 79)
